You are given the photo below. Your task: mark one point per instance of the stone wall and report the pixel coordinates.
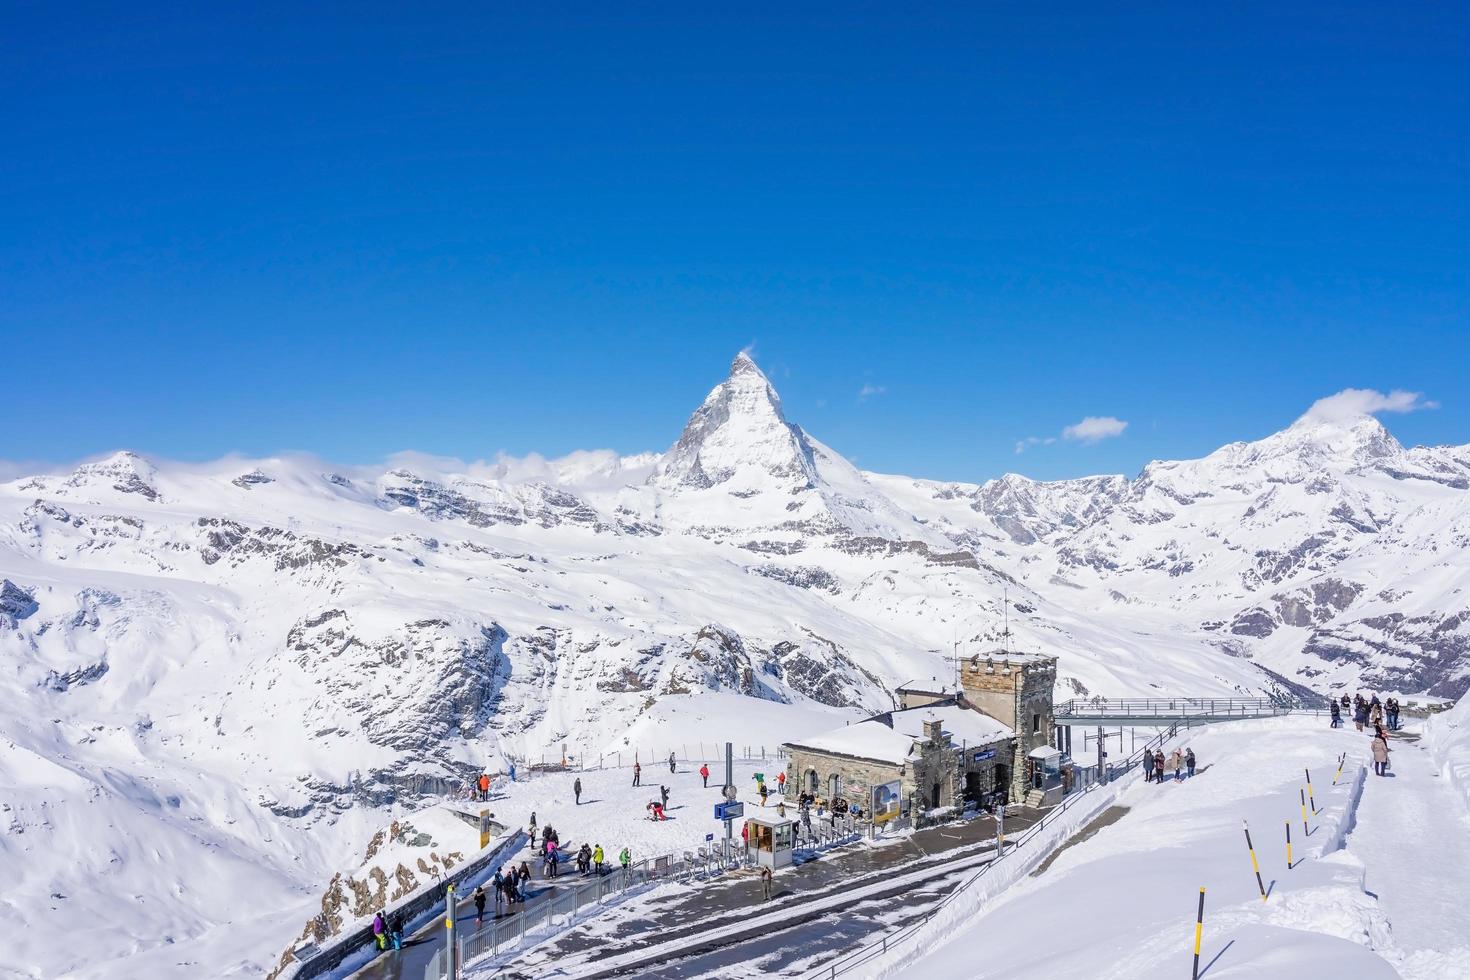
(858, 776)
(1016, 691)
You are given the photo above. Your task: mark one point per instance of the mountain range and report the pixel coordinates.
(232, 667)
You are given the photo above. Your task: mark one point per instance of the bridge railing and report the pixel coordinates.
(1119, 708)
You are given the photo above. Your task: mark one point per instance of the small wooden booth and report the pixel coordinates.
(770, 841)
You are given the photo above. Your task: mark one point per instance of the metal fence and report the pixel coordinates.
(1124, 708)
(851, 961)
(567, 905)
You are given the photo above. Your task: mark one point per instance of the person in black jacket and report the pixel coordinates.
(577, 790)
(479, 904)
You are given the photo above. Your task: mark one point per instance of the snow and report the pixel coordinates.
(222, 677)
(864, 740)
(1369, 894)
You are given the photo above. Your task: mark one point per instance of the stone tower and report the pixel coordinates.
(1015, 689)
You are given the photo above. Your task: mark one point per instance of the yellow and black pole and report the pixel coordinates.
(1305, 828)
(1199, 928)
(1341, 761)
(450, 908)
(1254, 863)
(1310, 798)
(1288, 845)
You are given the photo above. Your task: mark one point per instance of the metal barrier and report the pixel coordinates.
(562, 908)
(862, 954)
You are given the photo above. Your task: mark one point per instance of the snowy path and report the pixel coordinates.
(1414, 836)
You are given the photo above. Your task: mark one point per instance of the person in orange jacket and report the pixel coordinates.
(704, 774)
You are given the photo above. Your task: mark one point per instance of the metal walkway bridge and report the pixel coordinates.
(1155, 712)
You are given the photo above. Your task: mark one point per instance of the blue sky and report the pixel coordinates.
(471, 230)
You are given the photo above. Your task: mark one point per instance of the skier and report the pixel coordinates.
(380, 931)
(597, 858)
(637, 773)
(1189, 761)
(1336, 715)
(512, 772)
(479, 904)
(704, 774)
(671, 762)
(577, 790)
(625, 857)
(1380, 755)
(664, 792)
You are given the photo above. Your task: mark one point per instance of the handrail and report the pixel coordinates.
(862, 954)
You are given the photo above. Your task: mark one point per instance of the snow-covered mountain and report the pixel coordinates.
(220, 674)
(1327, 551)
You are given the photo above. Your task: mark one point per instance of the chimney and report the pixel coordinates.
(933, 729)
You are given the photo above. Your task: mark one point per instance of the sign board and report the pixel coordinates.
(886, 799)
(987, 754)
(729, 811)
(708, 838)
(484, 828)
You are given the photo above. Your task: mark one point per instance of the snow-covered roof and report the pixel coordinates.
(930, 686)
(878, 741)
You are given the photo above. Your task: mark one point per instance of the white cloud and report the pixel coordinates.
(1351, 403)
(1026, 443)
(1093, 428)
(869, 390)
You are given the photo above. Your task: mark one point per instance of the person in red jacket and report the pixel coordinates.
(704, 774)
(781, 782)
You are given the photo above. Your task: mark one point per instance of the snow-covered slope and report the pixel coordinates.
(1326, 552)
(244, 663)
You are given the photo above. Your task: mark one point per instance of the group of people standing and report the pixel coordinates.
(1179, 763)
(1382, 715)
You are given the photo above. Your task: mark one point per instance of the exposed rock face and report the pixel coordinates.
(15, 603)
(740, 430)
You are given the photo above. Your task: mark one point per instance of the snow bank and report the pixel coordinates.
(1121, 904)
(1448, 738)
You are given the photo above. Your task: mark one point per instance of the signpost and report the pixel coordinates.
(450, 910)
(987, 754)
(731, 793)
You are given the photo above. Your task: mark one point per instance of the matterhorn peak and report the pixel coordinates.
(738, 435)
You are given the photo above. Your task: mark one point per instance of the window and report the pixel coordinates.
(1035, 723)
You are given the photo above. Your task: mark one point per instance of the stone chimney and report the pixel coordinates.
(933, 729)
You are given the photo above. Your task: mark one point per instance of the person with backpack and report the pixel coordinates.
(479, 904)
(1336, 715)
(637, 773)
(704, 774)
(671, 762)
(664, 793)
(497, 886)
(1189, 761)
(597, 858)
(577, 790)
